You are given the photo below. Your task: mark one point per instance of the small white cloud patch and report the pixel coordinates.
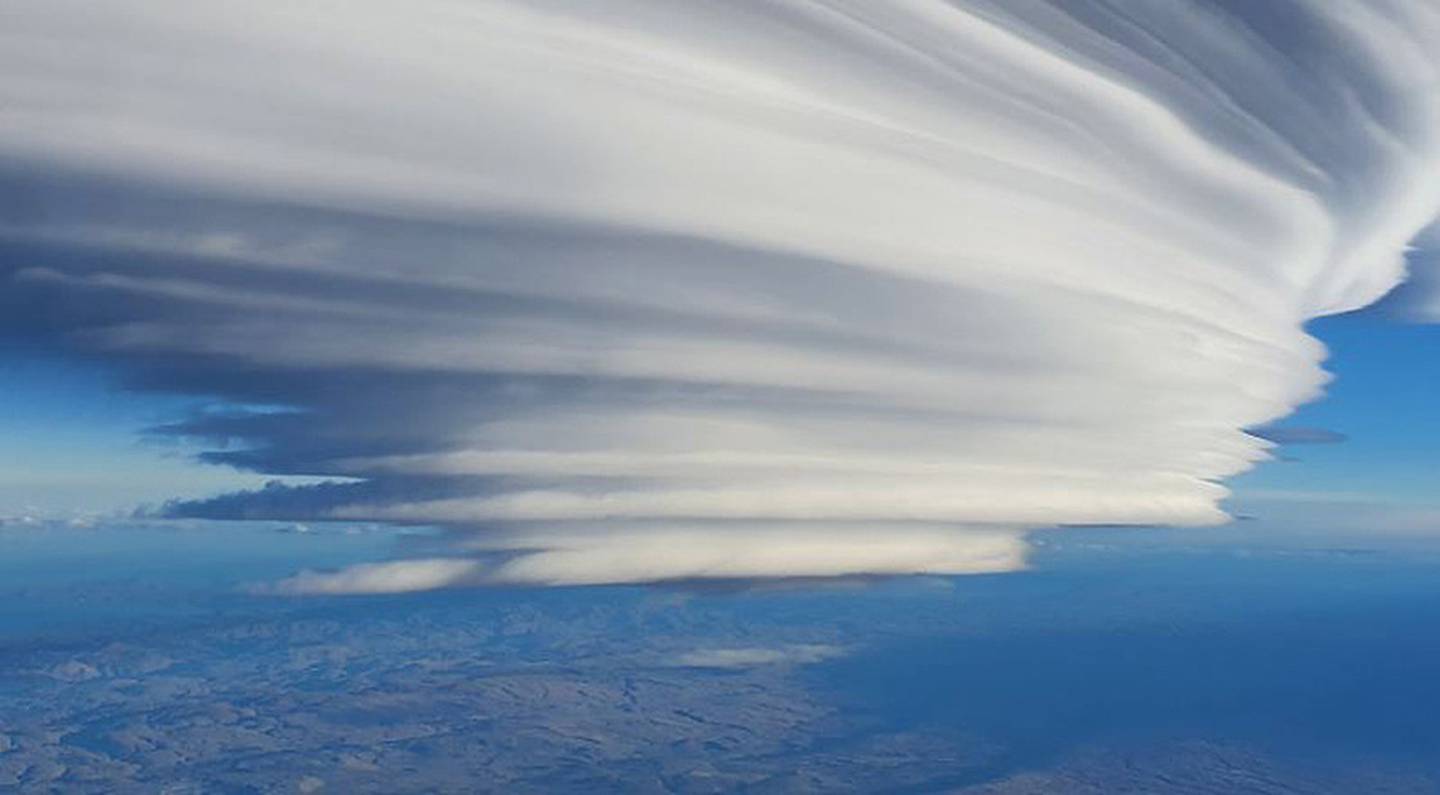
(753, 657)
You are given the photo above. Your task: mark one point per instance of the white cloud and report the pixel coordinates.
(397, 576)
(559, 555)
(638, 293)
(753, 657)
(737, 550)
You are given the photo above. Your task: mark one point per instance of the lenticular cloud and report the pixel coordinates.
(642, 289)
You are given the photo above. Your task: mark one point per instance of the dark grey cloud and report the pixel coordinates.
(1298, 434)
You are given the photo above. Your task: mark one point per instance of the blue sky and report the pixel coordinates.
(1382, 400)
(72, 443)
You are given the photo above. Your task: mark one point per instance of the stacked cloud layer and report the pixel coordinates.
(640, 290)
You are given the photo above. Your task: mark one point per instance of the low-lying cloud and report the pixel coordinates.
(640, 290)
(396, 576)
(755, 657)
